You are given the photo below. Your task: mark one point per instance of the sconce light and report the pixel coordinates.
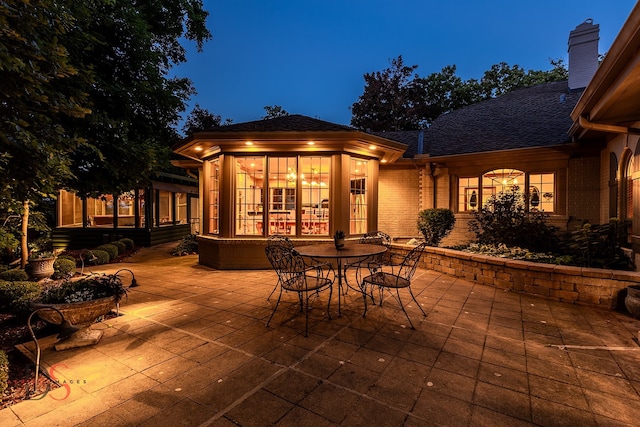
(66, 330)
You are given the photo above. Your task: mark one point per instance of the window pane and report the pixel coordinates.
(358, 174)
(126, 214)
(283, 179)
(214, 195)
(315, 173)
(181, 208)
(165, 204)
(248, 193)
(100, 211)
(500, 181)
(70, 208)
(467, 194)
(542, 192)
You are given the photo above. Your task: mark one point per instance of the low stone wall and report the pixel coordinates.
(576, 285)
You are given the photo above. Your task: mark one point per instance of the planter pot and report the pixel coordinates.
(81, 315)
(339, 243)
(632, 300)
(41, 268)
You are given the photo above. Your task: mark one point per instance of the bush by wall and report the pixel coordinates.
(110, 249)
(16, 296)
(14, 275)
(63, 267)
(120, 246)
(435, 224)
(4, 372)
(128, 243)
(99, 257)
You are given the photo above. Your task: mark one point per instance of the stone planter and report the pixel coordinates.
(81, 315)
(41, 268)
(632, 300)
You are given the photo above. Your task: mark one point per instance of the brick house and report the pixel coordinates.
(569, 146)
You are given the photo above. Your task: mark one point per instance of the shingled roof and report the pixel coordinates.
(293, 123)
(537, 116)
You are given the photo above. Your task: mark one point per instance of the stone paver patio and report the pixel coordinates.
(192, 349)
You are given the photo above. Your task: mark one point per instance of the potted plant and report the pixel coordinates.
(81, 302)
(338, 239)
(41, 264)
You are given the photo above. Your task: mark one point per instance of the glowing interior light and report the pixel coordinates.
(372, 147)
(383, 161)
(248, 143)
(515, 181)
(311, 143)
(304, 182)
(198, 148)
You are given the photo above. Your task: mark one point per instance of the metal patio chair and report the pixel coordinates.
(382, 280)
(278, 240)
(295, 276)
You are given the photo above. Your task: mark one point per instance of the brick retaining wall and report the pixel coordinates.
(576, 285)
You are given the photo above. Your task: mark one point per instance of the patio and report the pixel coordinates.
(192, 349)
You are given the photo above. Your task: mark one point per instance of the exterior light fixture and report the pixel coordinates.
(66, 330)
(198, 148)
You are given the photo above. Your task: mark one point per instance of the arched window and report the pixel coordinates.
(500, 181)
(627, 190)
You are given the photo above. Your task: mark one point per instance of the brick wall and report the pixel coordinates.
(583, 189)
(576, 285)
(399, 201)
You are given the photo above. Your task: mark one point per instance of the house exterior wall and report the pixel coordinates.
(583, 188)
(400, 200)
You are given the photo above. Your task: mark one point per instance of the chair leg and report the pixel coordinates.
(403, 310)
(275, 308)
(417, 303)
(364, 297)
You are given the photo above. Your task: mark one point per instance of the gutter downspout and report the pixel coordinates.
(433, 167)
(602, 127)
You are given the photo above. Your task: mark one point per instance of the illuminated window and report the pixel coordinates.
(358, 196)
(315, 173)
(541, 192)
(468, 197)
(283, 180)
(165, 208)
(500, 181)
(248, 195)
(214, 198)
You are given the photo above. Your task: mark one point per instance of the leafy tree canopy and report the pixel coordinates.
(274, 111)
(200, 119)
(397, 98)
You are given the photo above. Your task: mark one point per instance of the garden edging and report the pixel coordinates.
(576, 285)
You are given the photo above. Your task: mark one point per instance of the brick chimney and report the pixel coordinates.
(583, 54)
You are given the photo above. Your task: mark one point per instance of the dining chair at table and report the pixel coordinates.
(279, 240)
(400, 279)
(294, 275)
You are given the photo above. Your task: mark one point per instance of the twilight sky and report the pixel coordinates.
(309, 57)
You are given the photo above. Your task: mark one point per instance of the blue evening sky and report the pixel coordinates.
(309, 57)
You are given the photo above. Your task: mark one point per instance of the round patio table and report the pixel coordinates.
(349, 251)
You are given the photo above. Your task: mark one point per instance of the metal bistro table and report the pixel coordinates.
(349, 251)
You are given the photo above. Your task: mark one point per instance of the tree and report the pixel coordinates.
(136, 104)
(86, 101)
(389, 101)
(41, 87)
(200, 119)
(274, 112)
(398, 99)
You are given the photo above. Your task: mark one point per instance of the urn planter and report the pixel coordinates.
(41, 268)
(632, 300)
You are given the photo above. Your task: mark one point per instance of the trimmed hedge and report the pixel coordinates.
(14, 275)
(110, 249)
(121, 246)
(63, 267)
(17, 295)
(128, 243)
(4, 372)
(101, 257)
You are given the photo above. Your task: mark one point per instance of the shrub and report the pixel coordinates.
(14, 275)
(63, 268)
(504, 220)
(99, 257)
(17, 295)
(599, 246)
(110, 249)
(128, 243)
(69, 257)
(8, 246)
(435, 224)
(187, 246)
(4, 372)
(120, 246)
